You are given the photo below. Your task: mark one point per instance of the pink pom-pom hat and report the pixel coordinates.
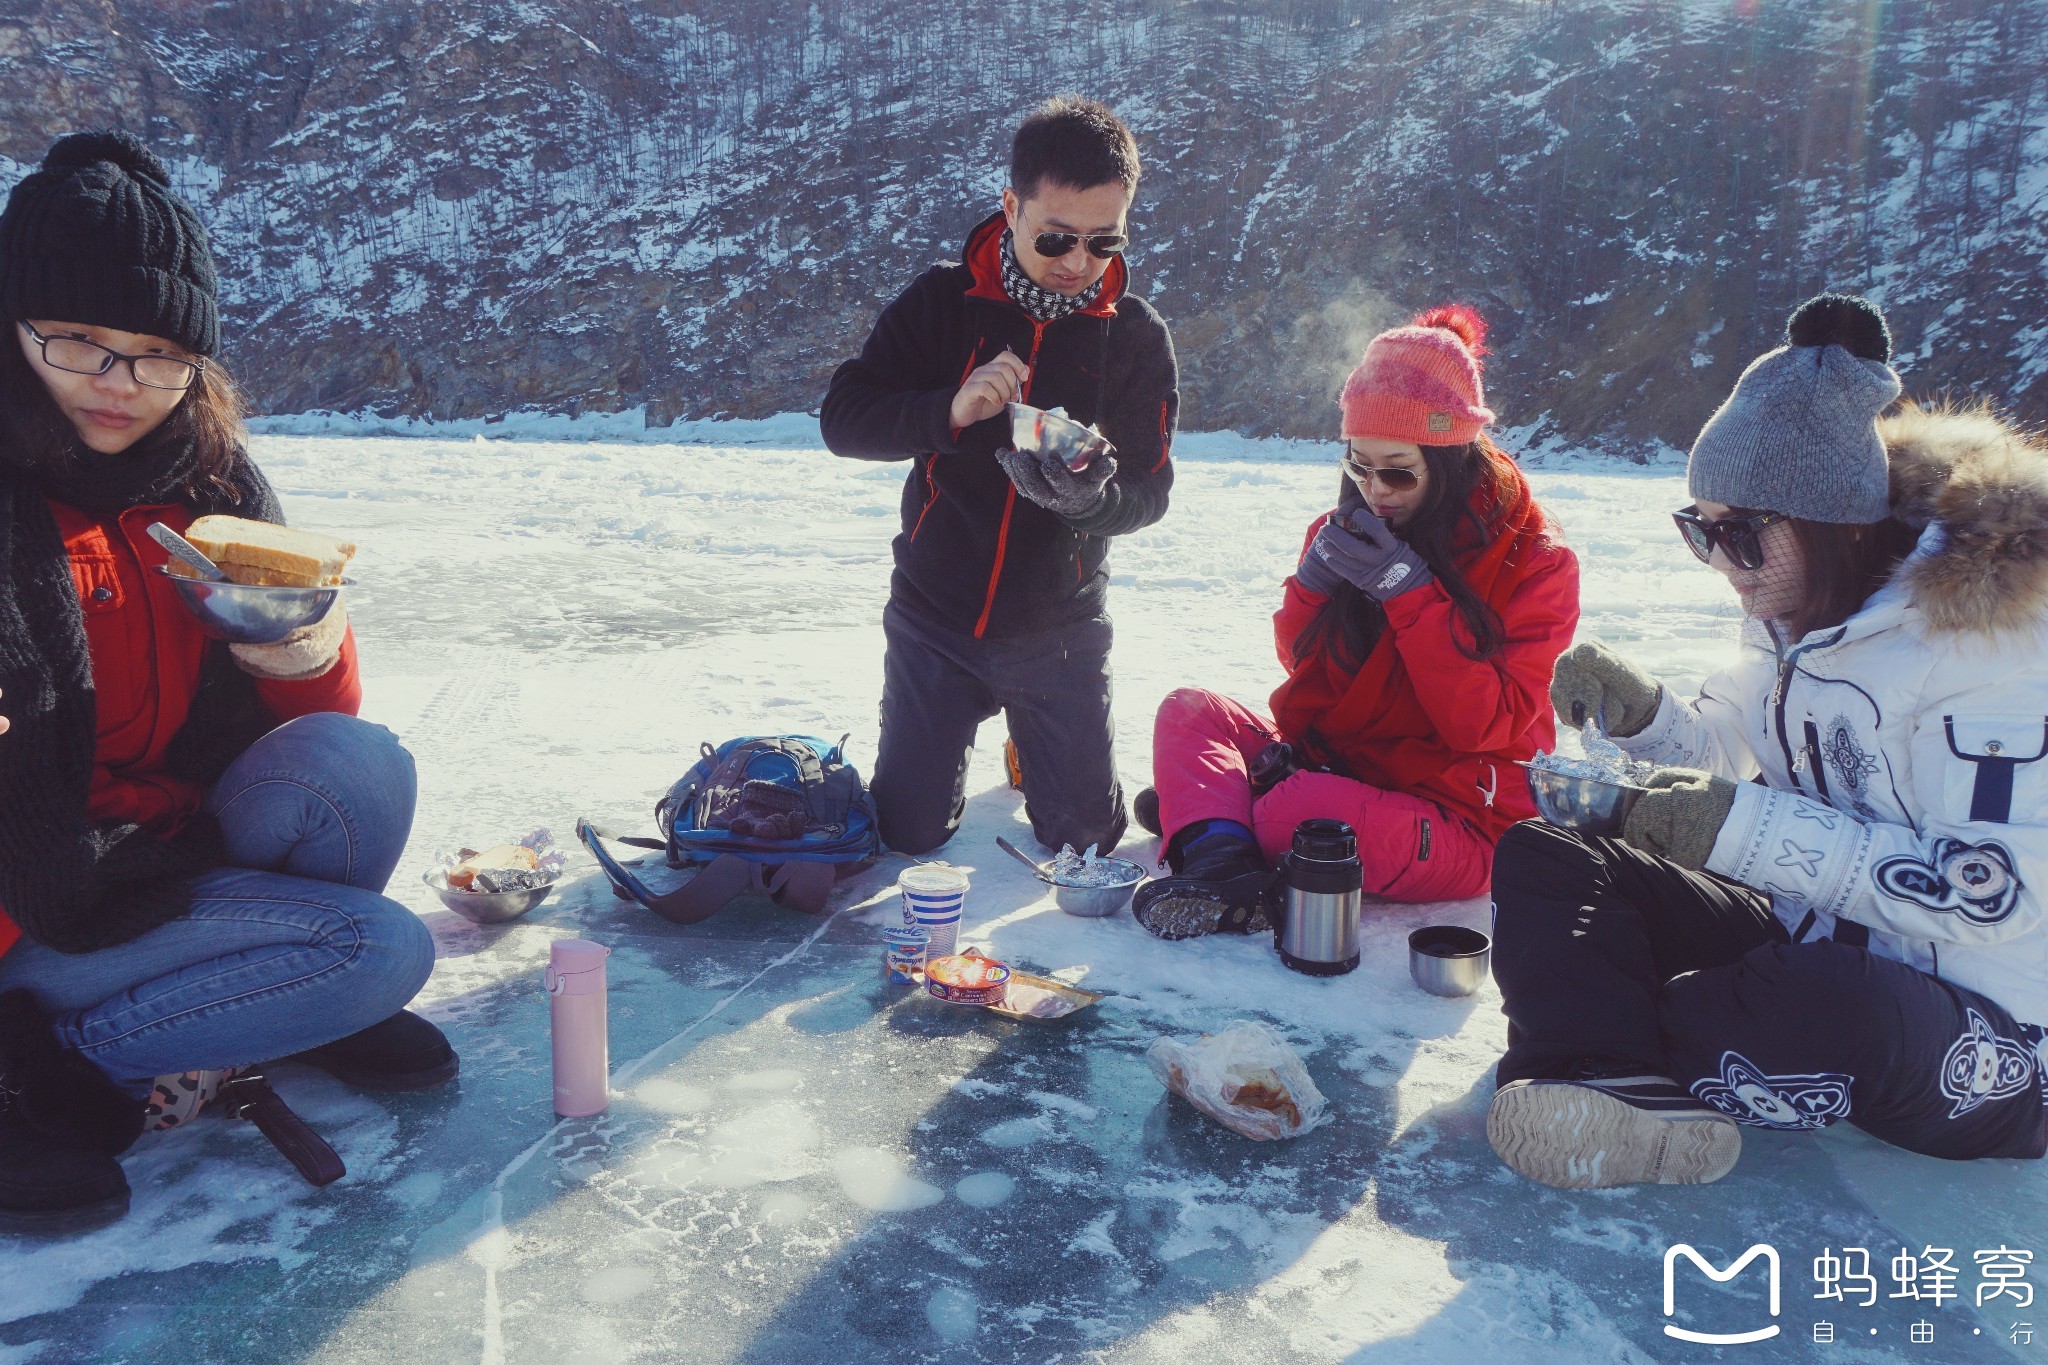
(1421, 383)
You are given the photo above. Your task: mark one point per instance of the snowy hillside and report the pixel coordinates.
(473, 207)
(801, 1164)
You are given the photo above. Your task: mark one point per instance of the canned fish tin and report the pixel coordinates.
(967, 980)
(905, 953)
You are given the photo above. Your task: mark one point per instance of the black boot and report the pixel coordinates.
(405, 1052)
(1220, 884)
(1145, 810)
(62, 1123)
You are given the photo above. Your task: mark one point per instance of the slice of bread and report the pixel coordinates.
(260, 578)
(259, 552)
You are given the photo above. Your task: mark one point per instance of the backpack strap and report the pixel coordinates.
(696, 900)
(802, 886)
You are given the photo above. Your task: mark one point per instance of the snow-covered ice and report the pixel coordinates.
(801, 1163)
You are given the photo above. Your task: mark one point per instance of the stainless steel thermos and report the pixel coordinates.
(1318, 930)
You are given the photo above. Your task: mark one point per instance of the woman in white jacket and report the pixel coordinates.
(1829, 904)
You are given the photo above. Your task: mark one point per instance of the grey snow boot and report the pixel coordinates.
(1595, 1132)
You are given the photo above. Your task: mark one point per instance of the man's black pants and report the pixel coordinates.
(1606, 954)
(939, 685)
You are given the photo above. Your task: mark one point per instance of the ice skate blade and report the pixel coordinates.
(1573, 1137)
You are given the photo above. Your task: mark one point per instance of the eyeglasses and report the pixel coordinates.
(1101, 245)
(1737, 535)
(76, 355)
(1396, 479)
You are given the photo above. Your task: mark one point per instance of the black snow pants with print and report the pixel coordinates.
(939, 685)
(1609, 957)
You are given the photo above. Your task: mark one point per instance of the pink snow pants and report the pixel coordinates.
(1411, 849)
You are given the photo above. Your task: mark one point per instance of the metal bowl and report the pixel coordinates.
(1449, 959)
(1037, 430)
(1093, 902)
(485, 907)
(1586, 804)
(244, 614)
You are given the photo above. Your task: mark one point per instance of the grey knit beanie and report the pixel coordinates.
(1799, 434)
(96, 236)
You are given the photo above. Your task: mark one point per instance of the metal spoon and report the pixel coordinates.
(1037, 869)
(186, 551)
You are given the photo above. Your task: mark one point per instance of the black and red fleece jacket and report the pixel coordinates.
(973, 554)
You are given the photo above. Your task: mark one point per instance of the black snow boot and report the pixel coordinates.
(1145, 810)
(1220, 885)
(62, 1123)
(405, 1052)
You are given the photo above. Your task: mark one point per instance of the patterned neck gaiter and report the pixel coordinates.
(1044, 305)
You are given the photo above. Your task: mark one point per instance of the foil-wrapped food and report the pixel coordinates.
(532, 862)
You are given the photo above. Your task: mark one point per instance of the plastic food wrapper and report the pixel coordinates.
(1604, 760)
(1089, 869)
(532, 862)
(1246, 1078)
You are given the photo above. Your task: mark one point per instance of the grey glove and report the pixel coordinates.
(1590, 674)
(1045, 480)
(1680, 816)
(1363, 551)
(307, 652)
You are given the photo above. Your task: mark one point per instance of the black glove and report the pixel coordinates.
(1363, 551)
(1045, 479)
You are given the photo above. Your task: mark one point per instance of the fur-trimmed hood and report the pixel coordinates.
(1986, 483)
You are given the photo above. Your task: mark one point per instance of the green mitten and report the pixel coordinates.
(1589, 674)
(1680, 816)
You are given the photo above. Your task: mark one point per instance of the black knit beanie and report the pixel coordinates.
(97, 237)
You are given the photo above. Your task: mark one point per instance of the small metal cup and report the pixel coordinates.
(1449, 960)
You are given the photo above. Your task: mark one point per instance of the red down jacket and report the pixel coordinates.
(1419, 716)
(146, 651)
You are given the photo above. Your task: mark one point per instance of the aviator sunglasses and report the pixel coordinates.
(1396, 480)
(1737, 535)
(1101, 245)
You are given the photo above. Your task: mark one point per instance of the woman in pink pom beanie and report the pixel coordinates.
(1418, 632)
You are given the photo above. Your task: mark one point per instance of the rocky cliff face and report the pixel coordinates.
(468, 207)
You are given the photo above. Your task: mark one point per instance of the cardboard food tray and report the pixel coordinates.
(1047, 994)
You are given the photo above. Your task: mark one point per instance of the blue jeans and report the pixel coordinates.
(289, 948)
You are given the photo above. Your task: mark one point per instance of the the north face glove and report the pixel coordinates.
(1590, 674)
(1680, 816)
(1363, 551)
(1045, 479)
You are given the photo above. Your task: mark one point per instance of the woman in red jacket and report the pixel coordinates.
(193, 837)
(1418, 635)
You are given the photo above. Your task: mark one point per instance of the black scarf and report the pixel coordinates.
(71, 885)
(1044, 305)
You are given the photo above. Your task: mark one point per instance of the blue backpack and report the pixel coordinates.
(785, 816)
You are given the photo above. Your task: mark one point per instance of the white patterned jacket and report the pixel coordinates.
(1903, 756)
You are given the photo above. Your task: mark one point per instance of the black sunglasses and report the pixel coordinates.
(1398, 480)
(1737, 535)
(1101, 245)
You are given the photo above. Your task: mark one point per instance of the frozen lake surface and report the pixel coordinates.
(801, 1164)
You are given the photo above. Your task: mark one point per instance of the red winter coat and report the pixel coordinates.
(146, 651)
(1419, 716)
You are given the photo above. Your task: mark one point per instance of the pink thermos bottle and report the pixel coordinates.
(576, 1008)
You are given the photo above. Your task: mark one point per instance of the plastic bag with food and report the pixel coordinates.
(1246, 1078)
